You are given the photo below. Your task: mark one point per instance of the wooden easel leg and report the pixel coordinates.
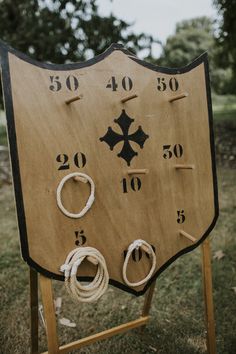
(209, 308)
(34, 311)
(49, 314)
(148, 300)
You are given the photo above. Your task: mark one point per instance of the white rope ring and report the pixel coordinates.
(90, 199)
(92, 291)
(135, 245)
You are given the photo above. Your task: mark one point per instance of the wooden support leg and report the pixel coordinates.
(34, 311)
(209, 308)
(148, 300)
(49, 314)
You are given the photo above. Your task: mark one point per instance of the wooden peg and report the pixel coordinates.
(185, 234)
(73, 99)
(128, 98)
(184, 167)
(178, 97)
(80, 179)
(145, 249)
(92, 260)
(138, 171)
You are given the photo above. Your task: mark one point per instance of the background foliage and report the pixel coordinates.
(226, 37)
(70, 31)
(61, 31)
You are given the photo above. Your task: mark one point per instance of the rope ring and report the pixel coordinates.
(97, 287)
(89, 201)
(136, 245)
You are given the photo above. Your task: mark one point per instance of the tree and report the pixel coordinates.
(226, 38)
(192, 38)
(62, 31)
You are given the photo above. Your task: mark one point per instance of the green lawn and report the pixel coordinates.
(224, 102)
(177, 313)
(224, 108)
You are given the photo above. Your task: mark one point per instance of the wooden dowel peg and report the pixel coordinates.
(92, 260)
(73, 99)
(178, 97)
(145, 249)
(80, 179)
(186, 235)
(128, 98)
(184, 167)
(143, 171)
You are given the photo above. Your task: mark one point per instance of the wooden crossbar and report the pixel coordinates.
(51, 326)
(102, 335)
(50, 318)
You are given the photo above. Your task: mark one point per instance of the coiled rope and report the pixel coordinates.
(92, 291)
(136, 245)
(85, 178)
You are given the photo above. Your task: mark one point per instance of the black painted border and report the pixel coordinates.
(6, 83)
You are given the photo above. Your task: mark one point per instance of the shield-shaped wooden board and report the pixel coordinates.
(141, 132)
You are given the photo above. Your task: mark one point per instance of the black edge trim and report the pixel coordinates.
(6, 80)
(6, 87)
(71, 66)
(172, 71)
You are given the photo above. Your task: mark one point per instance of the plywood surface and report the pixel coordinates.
(126, 208)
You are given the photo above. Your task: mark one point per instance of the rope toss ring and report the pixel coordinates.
(97, 287)
(84, 178)
(136, 245)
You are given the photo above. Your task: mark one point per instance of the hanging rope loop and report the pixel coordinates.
(84, 178)
(85, 292)
(135, 246)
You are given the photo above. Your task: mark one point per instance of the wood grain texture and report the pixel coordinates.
(46, 127)
(208, 297)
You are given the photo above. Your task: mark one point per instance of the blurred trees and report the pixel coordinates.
(64, 31)
(60, 31)
(226, 37)
(192, 38)
(73, 30)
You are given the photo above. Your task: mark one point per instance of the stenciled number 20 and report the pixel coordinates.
(79, 160)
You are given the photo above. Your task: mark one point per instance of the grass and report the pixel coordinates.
(177, 313)
(224, 102)
(224, 107)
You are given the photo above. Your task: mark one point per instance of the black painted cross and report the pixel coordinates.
(112, 138)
